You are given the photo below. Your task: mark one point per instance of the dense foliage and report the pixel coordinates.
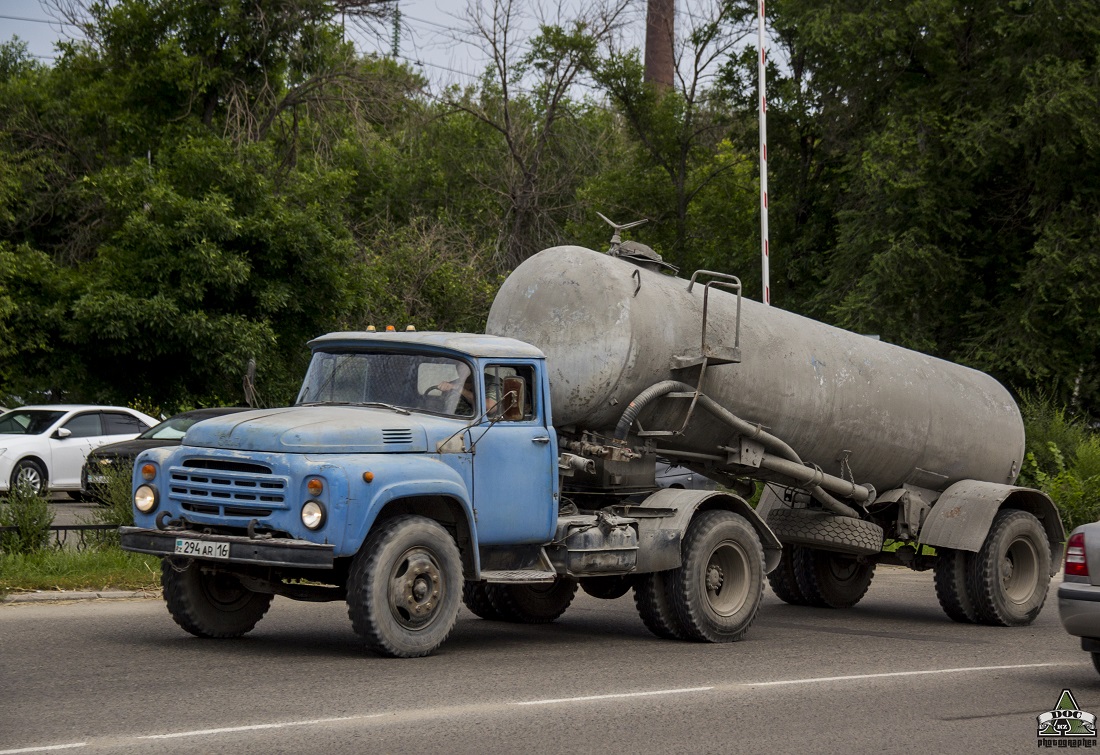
(199, 183)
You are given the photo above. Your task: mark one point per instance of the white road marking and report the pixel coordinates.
(964, 670)
(487, 707)
(255, 727)
(615, 696)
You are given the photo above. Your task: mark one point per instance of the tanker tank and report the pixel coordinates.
(856, 407)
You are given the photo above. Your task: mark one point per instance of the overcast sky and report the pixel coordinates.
(427, 37)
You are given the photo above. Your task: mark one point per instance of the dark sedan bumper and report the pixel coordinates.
(242, 549)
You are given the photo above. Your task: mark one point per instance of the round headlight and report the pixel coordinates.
(313, 515)
(145, 499)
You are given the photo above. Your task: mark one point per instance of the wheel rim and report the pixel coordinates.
(1020, 570)
(416, 589)
(727, 578)
(29, 476)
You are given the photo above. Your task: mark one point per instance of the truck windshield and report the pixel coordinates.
(418, 382)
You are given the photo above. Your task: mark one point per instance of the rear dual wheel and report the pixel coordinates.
(1007, 579)
(715, 594)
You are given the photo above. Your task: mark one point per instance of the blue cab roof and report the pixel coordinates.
(473, 344)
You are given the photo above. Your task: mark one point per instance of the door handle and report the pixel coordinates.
(541, 439)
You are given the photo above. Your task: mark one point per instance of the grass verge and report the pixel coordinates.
(105, 569)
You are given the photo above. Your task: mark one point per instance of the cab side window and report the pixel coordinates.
(498, 398)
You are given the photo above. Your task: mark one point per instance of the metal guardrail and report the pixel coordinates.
(79, 537)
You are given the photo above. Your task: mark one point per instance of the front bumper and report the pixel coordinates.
(242, 549)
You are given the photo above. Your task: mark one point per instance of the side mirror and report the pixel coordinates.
(514, 399)
(62, 433)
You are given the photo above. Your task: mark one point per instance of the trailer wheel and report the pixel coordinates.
(606, 588)
(404, 587)
(653, 599)
(950, 569)
(784, 582)
(717, 590)
(833, 580)
(1009, 576)
(210, 604)
(476, 597)
(533, 604)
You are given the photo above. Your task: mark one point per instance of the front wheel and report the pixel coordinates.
(1009, 576)
(31, 475)
(405, 587)
(210, 603)
(718, 587)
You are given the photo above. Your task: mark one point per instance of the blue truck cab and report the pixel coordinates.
(416, 472)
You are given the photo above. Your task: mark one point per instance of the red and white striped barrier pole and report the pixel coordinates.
(761, 61)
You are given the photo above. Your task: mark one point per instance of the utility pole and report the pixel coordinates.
(660, 28)
(765, 251)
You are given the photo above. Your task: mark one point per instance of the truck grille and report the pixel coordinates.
(227, 489)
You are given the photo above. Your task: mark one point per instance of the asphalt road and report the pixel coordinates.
(891, 675)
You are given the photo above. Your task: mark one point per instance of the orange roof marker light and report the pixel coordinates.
(390, 329)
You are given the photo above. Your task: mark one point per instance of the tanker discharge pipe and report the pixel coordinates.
(753, 432)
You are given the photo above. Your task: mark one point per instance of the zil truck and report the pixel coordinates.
(418, 471)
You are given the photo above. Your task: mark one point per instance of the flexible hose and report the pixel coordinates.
(746, 429)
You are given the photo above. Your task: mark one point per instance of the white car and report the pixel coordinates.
(45, 446)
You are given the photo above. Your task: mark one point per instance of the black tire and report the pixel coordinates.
(30, 472)
(533, 604)
(1096, 661)
(606, 588)
(653, 599)
(783, 580)
(950, 570)
(833, 580)
(476, 597)
(405, 587)
(717, 589)
(210, 603)
(1008, 578)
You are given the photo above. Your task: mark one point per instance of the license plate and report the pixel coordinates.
(202, 548)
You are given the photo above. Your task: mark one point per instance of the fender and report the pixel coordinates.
(963, 514)
(404, 476)
(660, 533)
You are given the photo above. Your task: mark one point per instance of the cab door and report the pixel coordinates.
(515, 475)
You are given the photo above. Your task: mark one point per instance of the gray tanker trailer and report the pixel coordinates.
(858, 443)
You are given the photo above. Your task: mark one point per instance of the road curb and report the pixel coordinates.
(55, 596)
